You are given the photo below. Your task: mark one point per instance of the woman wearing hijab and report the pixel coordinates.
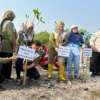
(25, 38)
(8, 45)
(74, 41)
(57, 38)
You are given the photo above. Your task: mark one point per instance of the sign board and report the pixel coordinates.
(87, 52)
(63, 51)
(26, 53)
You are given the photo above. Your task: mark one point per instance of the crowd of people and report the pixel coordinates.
(10, 41)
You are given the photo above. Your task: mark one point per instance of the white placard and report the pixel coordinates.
(63, 51)
(87, 52)
(26, 53)
(36, 55)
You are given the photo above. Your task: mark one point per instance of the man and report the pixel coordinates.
(57, 38)
(32, 72)
(95, 59)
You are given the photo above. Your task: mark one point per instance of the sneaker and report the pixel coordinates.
(93, 74)
(30, 79)
(70, 77)
(77, 77)
(2, 89)
(44, 69)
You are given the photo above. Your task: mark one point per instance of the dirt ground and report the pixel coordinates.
(45, 89)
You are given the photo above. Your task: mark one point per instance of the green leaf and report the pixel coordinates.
(35, 11)
(26, 15)
(37, 17)
(55, 22)
(42, 21)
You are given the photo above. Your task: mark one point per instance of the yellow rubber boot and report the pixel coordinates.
(62, 69)
(50, 71)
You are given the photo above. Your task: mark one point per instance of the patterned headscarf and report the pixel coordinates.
(28, 25)
(8, 15)
(57, 28)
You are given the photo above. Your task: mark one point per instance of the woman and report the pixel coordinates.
(57, 38)
(74, 41)
(25, 38)
(45, 58)
(95, 59)
(8, 45)
(4, 61)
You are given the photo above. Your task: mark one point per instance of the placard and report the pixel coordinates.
(26, 53)
(87, 52)
(63, 51)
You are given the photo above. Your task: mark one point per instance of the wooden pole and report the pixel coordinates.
(24, 73)
(86, 69)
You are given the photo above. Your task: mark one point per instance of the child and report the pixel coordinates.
(74, 41)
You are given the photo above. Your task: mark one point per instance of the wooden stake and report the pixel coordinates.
(24, 73)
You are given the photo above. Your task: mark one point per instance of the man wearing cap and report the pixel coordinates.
(57, 38)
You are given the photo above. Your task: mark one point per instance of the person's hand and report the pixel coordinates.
(56, 49)
(60, 44)
(14, 58)
(95, 49)
(84, 46)
(0, 42)
(14, 49)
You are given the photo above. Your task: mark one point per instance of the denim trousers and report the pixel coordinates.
(73, 59)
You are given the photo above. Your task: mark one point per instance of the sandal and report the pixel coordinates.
(18, 81)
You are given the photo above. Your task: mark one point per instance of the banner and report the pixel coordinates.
(87, 52)
(26, 53)
(63, 51)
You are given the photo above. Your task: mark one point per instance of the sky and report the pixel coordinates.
(83, 13)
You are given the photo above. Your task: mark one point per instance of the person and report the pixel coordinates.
(4, 61)
(25, 38)
(74, 41)
(82, 60)
(8, 45)
(57, 38)
(45, 58)
(95, 59)
(32, 72)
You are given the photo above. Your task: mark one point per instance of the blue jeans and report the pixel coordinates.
(73, 59)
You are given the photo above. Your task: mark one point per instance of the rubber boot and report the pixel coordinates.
(49, 71)
(61, 73)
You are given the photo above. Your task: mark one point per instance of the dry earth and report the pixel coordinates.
(45, 89)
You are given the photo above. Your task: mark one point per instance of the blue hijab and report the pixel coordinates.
(75, 38)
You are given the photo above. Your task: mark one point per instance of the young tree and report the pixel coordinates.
(36, 15)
